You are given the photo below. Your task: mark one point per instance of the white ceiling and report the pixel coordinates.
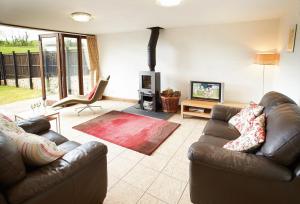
(129, 15)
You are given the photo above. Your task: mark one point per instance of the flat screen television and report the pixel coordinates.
(208, 91)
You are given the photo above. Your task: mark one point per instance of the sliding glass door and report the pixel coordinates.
(86, 73)
(71, 62)
(50, 66)
(65, 65)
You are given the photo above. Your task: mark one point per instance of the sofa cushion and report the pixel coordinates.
(221, 129)
(10, 128)
(54, 137)
(212, 140)
(4, 116)
(68, 146)
(282, 134)
(12, 168)
(242, 120)
(273, 99)
(37, 150)
(35, 125)
(251, 139)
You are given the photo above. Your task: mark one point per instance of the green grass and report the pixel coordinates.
(10, 94)
(23, 49)
(8, 49)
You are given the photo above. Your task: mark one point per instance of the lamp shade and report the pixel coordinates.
(267, 59)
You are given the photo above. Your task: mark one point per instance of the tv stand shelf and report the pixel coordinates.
(203, 109)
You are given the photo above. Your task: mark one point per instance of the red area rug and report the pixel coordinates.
(139, 133)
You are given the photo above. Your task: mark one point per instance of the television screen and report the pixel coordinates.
(210, 91)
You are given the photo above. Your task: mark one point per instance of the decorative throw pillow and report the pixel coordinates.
(2, 115)
(242, 120)
(10, 128)
(37, 150)
(92, 93)
(253, 137)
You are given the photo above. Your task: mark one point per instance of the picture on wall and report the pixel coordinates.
(292, 39)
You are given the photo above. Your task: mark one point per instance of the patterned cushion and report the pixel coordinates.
(2, 115)
(10, 128)
(92, 93)
(253, 137)
(242, 120)
(37, 150)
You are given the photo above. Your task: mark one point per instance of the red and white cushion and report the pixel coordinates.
(4, 116)
(37, 150)
(10, 128)
(92, 93)
(252, 138)
(242, 120)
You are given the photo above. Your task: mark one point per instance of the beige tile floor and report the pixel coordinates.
(134, 177)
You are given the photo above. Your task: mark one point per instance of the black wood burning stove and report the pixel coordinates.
(149, 89)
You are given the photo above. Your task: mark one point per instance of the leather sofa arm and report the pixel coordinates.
(224, 113)
(35, 125)
(61, 175)
(85, 154)
(2, 199)
(297, 170)
(249, 165)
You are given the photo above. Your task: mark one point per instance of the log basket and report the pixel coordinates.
(170, 100)
(170, 104)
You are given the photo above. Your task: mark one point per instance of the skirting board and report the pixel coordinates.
(120, 99)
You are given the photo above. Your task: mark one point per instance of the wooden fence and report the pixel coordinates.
(17, 66)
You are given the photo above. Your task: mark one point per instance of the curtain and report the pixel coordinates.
(94, 59)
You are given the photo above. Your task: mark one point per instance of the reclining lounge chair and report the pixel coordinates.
(101, 85)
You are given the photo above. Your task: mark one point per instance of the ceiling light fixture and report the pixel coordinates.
(169, 3)
(81, 16)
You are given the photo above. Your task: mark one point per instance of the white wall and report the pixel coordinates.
(287, 77)
(222, 53)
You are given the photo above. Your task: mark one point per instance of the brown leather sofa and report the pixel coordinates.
(80, 176)
(271, 175)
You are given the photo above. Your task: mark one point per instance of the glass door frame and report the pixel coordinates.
(80, 66)
(58, 64)
(61, 63)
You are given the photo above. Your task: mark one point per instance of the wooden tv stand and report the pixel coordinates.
(203, 109)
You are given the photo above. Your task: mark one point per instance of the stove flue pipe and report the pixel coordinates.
(152, 47)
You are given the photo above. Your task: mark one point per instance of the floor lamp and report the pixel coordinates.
(266, 59)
